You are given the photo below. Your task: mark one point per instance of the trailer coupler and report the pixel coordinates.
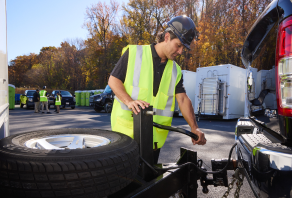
(219, 179)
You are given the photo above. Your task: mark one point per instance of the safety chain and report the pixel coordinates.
(230, 186)
(239, 183)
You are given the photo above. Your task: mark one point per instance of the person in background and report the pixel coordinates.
(36, 100)
(44, 99)
(58, 102)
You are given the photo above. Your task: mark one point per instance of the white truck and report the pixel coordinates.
(4, 98)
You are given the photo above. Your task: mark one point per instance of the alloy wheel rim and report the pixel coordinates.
(67, 141)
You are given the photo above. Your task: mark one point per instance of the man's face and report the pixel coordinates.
(173, 47)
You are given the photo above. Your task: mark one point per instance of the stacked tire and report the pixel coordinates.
(89, 172)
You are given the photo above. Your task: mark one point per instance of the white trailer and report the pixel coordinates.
(266, 80)
(4, 98)
(189, 80)
(219, 91)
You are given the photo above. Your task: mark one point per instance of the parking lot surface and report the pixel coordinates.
(219, 135)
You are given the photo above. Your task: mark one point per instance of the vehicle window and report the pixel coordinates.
(65, 93)
(265, 56)
(107, 90)
(30, 93)
(53, 93)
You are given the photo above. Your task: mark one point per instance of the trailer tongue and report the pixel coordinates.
(165, 180)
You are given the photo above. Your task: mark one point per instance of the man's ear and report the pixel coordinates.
(167, 37)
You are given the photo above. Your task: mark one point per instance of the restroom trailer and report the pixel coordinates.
(219, 91)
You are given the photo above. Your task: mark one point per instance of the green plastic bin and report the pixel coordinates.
(82, 98)
(78, 98)
(98, 91)
(11, 90)
(87, 95)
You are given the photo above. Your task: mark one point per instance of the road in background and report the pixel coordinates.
(219, 135)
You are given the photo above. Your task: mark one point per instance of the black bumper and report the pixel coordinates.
(68, 103)
(30, 104)
(96, 105)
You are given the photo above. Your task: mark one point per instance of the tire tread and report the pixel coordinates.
(89, 177)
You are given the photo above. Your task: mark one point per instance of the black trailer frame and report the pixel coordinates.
(167, 179)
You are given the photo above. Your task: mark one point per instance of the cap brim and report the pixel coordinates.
(178, 36)
(185, 44)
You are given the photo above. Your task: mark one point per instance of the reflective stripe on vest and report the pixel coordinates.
(167, 111)
(135, 92)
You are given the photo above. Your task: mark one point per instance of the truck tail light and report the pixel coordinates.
(284, 68)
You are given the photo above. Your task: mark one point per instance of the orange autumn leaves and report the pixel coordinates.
(86, 64)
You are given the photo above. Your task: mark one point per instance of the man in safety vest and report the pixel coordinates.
(44, 99)
(148, 75)
(58, 102)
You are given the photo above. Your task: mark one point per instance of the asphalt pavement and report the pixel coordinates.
(219, 135)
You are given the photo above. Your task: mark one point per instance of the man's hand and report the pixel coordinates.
(134, 105)
(201, 135)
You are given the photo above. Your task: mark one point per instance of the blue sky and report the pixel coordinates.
(33, 24)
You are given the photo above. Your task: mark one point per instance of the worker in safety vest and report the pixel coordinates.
(148, 75)
(44, 99)
(58, 102)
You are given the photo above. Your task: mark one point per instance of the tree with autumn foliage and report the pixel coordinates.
(86, 64)
(101, 25)
(223, 27)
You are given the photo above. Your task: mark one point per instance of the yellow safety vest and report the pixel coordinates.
(139, 85)
(23, 99)
(43, 96)
(58, 100)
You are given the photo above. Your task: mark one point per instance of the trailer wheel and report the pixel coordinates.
(67, 163)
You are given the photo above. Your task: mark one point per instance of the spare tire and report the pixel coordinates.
(67, 163)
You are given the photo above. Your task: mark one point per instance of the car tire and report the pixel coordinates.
(72, 107)
(88, 172)
(108, 107)
(97, 110)
(27, 107)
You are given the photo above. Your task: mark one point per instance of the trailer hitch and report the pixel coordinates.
(164, 180)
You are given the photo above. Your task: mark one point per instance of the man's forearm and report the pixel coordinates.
(118, 88)
(187, 110)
